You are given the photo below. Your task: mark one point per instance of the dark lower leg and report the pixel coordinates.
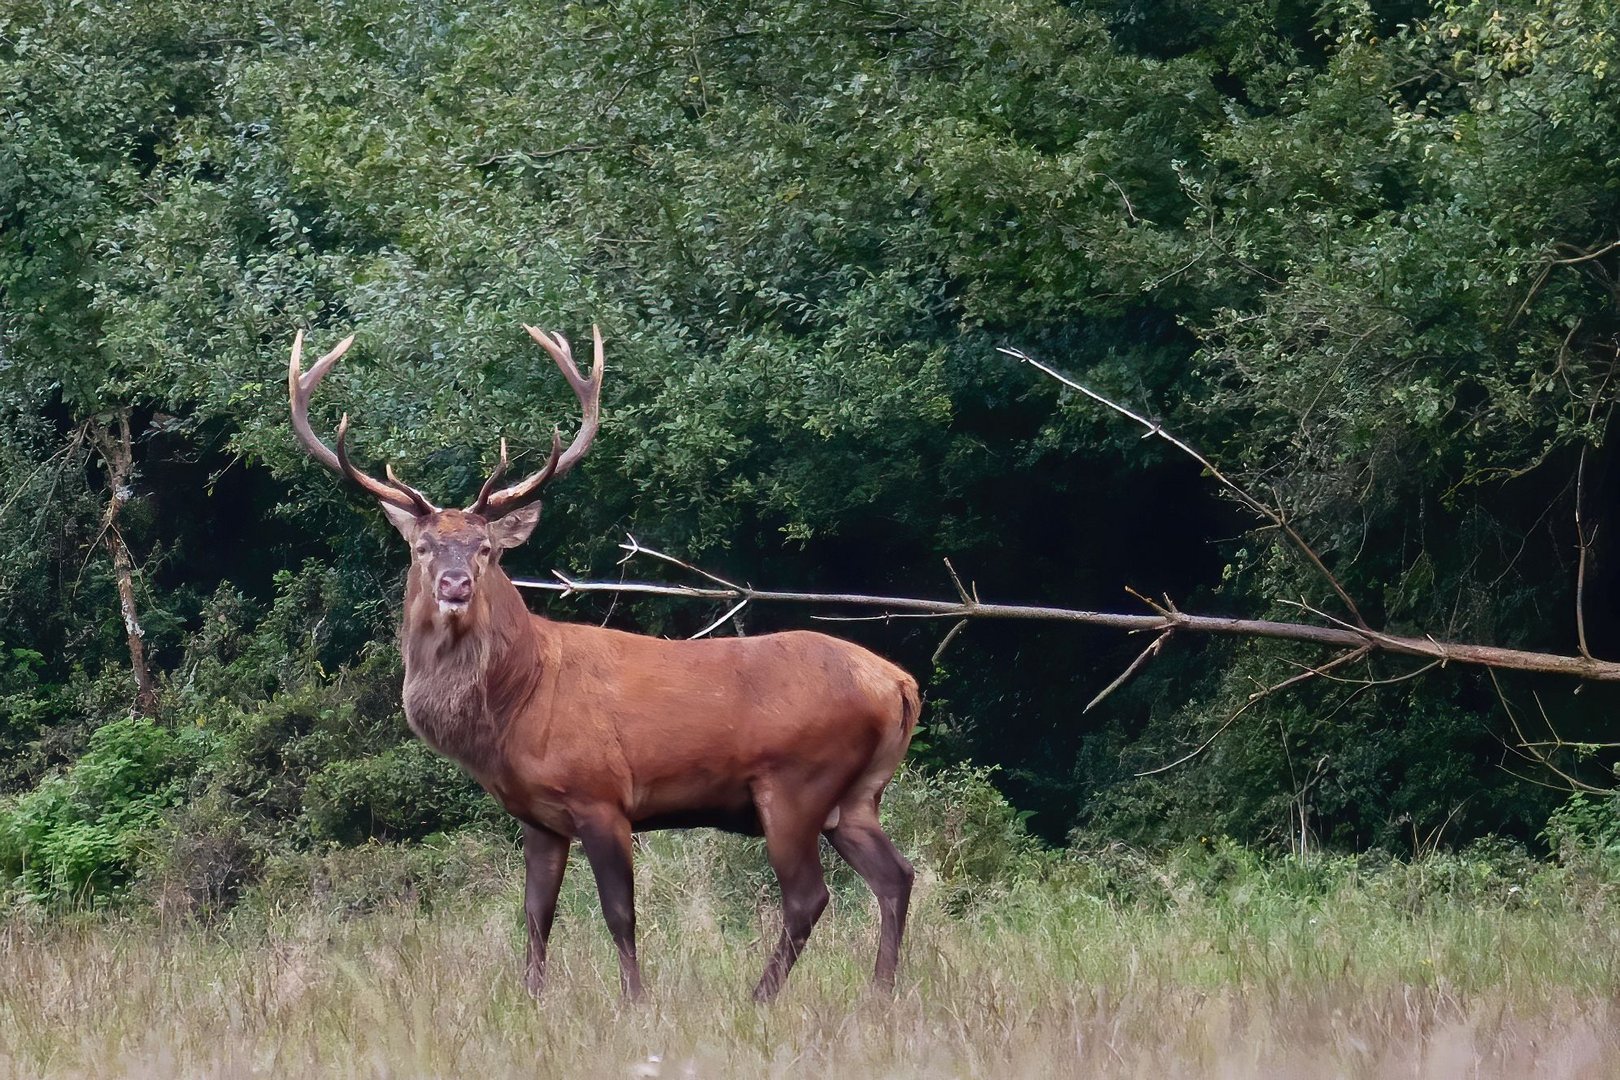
(804, 897)
(887, 873)
(607, 846)
(545, 856)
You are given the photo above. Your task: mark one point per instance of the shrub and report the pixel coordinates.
(28, 707)
(957, 825)
(201, 860)
(1585, 835)
(403, 793)
(271, 752)
(78, 835)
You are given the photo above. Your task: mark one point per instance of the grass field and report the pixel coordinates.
(405, 963)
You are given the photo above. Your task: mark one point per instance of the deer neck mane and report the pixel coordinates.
(465, 675)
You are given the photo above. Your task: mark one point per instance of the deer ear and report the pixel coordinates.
(404, 520)
(514, 528)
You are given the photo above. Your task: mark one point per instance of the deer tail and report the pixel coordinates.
(910, 705)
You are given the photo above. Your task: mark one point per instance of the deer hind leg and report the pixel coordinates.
(545, 857)
(793, 844)
(862, 843)
(606, 839)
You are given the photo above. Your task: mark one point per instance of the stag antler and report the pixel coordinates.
(492, 503)
(300, 385)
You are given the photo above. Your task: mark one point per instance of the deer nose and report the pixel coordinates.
(455, 586)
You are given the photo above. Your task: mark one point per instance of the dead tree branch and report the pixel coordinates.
(1584, 544)
(1341, 636)
(1143, 657)
(1539, 752)
(1354, 639)
(1583, 539)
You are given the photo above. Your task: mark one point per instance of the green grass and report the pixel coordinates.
(405, 963)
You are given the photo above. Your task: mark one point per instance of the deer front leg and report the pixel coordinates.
(545, 857)
(606, 838)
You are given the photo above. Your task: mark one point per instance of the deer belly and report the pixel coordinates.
(743, 821)
(696, 795)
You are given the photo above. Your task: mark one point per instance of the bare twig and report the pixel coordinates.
(1583, 544)
(632, 548)
(1255, 698)
(65, 453)
(1143, 657)
(1264, 510)
(722, 620)
(945, 642)
(500, 157)
(1584, 256)
(1367, 683)
(1130, 211)
(1169, 612)
(1539, 752)
(960, 591)
(1583, 541)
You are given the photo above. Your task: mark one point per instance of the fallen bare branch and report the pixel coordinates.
(1341, 636)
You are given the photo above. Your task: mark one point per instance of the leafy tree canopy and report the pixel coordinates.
(1362, 253)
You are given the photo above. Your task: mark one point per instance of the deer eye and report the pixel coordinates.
(424, 549)
(484, 549)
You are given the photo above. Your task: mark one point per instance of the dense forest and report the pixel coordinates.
(1363, 254)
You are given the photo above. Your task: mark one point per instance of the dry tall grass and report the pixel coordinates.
(1082, 969)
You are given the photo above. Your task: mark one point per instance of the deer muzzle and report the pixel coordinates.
(455, 587)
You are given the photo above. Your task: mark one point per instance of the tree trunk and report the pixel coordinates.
(117, 452)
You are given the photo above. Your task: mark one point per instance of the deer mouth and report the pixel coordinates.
(454, 592)
(453, 597)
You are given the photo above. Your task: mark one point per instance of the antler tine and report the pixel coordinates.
(403, 497)
(300, 386)
(493, 504)
(589, 393)
(423, 506)
(481, 504)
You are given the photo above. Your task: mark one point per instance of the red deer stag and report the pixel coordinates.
(585, 732)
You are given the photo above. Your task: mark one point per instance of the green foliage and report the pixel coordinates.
(332, 759)
(78, 836)
(405, 792)
(1356, 252)
(28, 706)
(1586, 819)
(955, 822)
(1585, 832)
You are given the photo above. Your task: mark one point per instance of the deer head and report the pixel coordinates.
(451, 549)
